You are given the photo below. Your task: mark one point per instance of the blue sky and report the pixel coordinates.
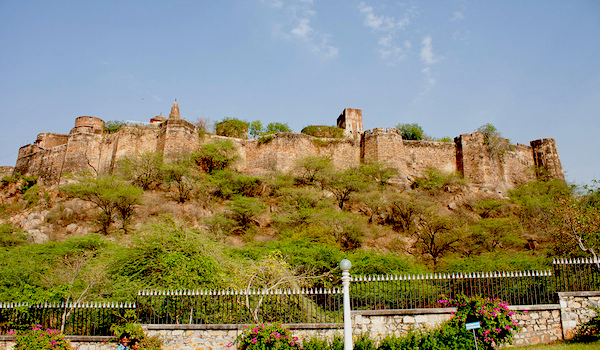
(531, 68)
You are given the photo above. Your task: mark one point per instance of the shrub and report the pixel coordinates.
(232, 127)
(135, 331)
(438, 181)
(230, 183)
(113, 126)
(337, 343)
(497, 327)
(27, 183)
(262, 337)
(216, 155)
(276, 127)
(411, 131)
(263, 140)
(324, 131)
(38, 339)
(11, 236)
(590, 331)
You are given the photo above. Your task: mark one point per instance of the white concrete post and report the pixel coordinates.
(345, 265)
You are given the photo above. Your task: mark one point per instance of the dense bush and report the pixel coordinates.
(263, 337)
(36, 338)
(215, 155)
(324, 131)
(113, 126)
(232, 127)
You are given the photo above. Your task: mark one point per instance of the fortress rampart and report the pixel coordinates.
(88, 147)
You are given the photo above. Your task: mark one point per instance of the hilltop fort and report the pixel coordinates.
(87, 146)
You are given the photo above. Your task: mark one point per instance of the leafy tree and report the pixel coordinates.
(232, 127)
(492, 234)
(275, 127)
(312, 167)
(170, 255)
(378, 172)
(496, 144)
(242, 211)
(436, 181)
(203, 125)
(405, 210)
(216, 155)
(411, 131)
(181, 175)
(436, 236)
(343, 183)
(256, 128)
(113, 126)
(578, 225)
(228, 183)
(142, 169)
(110, 194)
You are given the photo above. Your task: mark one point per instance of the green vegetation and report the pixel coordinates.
(195, 222)
(232, 127)
(411, 131)
(323, 131)
(112, 126)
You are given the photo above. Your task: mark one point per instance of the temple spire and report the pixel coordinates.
(175, 111)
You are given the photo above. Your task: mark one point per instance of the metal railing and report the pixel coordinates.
(80, 319)
(322, 306)
(576, 274)
(424, 291)
(240, 307)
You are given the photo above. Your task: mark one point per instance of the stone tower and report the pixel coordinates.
(351, 121)
(545, 156)
(175, 111)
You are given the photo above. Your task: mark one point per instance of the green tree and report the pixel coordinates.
(216, 155)
(256, 128)
(496, 144)
(312, 167)
(275, 127)
(344, 183)
(113, 126)
(142, 169)
(182, 177)
(436, 236)
(411, 131)
(110, 194)
(378, 172)
(243, 212)
(232, 127)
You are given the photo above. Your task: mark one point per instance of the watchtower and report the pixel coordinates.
(351, 121)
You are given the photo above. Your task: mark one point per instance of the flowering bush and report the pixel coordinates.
(267, 337)
(497, 326)
(36, 338)
(136, 332)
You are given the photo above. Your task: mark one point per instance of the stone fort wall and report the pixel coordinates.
(87, 147)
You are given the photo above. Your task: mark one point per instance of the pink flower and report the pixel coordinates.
(229, 345)
(254, 340)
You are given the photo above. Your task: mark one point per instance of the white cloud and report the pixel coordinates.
(458, 16)
(303, 29)
(427, 55)
(429, 80)
(387, 27)
(298, 17)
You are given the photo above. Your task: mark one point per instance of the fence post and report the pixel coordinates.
(345, 265)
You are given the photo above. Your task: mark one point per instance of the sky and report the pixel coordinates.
(530, 68)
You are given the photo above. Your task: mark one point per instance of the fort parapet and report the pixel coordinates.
(88, 147)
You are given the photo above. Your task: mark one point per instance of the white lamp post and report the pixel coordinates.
(345, 265)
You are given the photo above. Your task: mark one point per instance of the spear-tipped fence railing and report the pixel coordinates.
(307, 305)
(240, 306)
(425, 290)
(581, 274)
(90, 318)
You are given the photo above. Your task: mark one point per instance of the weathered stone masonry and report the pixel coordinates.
(86, 147)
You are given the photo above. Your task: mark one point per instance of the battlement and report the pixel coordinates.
(382, 131)
(87, 146)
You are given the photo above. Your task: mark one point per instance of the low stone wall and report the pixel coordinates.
(538, 324)
(575, 310)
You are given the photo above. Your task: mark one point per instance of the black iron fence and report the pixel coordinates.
(424, 291)
(307, 305)
(240, 307)
(77, 319)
